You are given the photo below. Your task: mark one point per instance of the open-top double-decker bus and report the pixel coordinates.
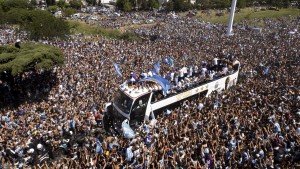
(139, 104)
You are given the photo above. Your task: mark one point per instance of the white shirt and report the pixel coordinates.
(145, 75)
(150, 74)
(204, 70)
(181, 73)
(184, 69)
(225, 70)
(200, 106)
(196, 69)
(191, 71)
(215, 61)
(172, 76)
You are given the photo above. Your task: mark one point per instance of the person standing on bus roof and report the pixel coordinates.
(215, 66)
(144, 75)
(191, 71)
(176, 79)
(204, 70)
(168, 77)
(185, 71)
(150, 74)
(172, 75)
(224, 69)
(181, 74)
(195, 70)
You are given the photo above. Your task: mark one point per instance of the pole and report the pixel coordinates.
(231, 17)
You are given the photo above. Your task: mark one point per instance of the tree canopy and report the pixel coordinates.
(128, 5)
(37, 23)
(29, 57)
(76, 4)
(10, 4)
(42, 24)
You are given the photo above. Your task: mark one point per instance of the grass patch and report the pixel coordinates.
(248, 13)
(86, 29)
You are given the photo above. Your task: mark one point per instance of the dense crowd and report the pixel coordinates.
(255, 125)
(121, 21)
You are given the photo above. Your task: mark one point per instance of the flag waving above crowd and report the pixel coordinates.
(156, 68)
(117, 68)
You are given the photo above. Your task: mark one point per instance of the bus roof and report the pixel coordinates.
(133, 91)
(147, 85)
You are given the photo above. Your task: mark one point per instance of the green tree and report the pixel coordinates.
(33, 3)
(92, 2)
(10, 4)
(182, 5)
(67, 12)
(127, 6)
(41, 24)
(52, 8)
(29, 57)
(124, 5)
(14, 62)
(1, 3)
(204, 4)
(222, 3)
(61, 4)
(50, 2)
(16, 16)
(2, 14)
(153, 4)
(143, 5)
(169, 6)
(76, 4)
(241, 3)
(119, 4)
(278, 3)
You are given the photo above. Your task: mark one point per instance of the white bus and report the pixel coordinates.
(144, 104)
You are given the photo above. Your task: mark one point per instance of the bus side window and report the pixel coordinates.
(156, 96)
(153, 97)
(141, 102)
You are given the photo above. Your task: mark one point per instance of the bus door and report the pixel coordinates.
(138, 110)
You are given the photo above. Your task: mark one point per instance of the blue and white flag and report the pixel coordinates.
(98, 147)
(166, 61)
(129, 154)
(164, 83)
(72, 124)
(127, 131)
(176, 80)
(111, 145)
(117, 68)
(266, 71)
(156, 68)
(171, 61)
(217, 102)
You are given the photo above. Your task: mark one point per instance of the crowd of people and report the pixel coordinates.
(256, 123)
(117, 21)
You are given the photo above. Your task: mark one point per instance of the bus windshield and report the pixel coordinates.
(122, 101)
